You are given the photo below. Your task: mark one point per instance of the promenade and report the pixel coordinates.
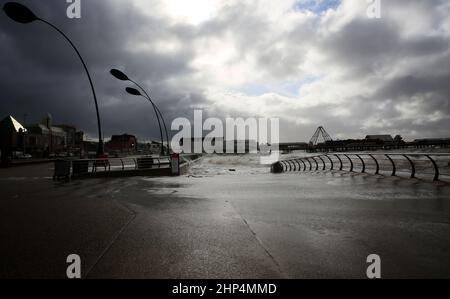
(228, 218)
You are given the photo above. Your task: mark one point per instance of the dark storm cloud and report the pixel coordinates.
(40, 73)
(362, 46)
(410, 86)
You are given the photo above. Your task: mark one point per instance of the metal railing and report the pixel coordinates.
(122, 164)
(411, 165)
(67, 168)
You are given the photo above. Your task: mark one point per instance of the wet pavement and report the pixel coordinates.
(228, 218)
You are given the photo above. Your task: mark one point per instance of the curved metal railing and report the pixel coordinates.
(122, 164)
(411, 165)
(68, 168)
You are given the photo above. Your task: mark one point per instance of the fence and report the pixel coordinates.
(435, 166)
(67, 168)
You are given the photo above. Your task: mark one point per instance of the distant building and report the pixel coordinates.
(44, 138)
(398, 139)
(79, 139)
(432, 142)
(70, 132)
(12, 134)
(383, 138)
(122, 143)
(89, 149)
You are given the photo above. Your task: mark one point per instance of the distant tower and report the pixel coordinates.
(47, 121)
(316, 137)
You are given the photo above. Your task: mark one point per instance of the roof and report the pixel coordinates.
(38, 128)
(42, 129)
(386, 138)
(11, 124)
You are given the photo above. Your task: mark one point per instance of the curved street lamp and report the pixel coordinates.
(135, 92)
(22, 14)
(121, 76)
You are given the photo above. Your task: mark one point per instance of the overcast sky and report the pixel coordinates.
(308, 62)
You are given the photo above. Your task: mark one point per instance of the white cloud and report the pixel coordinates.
(193, 12)
(257, 58)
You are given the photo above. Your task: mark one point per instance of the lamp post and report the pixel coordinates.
(24, 15)
(136, 92)
(121, 76)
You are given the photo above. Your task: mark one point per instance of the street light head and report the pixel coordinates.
(133, 91)
(119, 75)
(19, 13)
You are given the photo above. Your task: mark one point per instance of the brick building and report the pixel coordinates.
(122, 144)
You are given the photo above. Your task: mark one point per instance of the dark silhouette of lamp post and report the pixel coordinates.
(24, 15)
(135, 92)
(121, 76)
